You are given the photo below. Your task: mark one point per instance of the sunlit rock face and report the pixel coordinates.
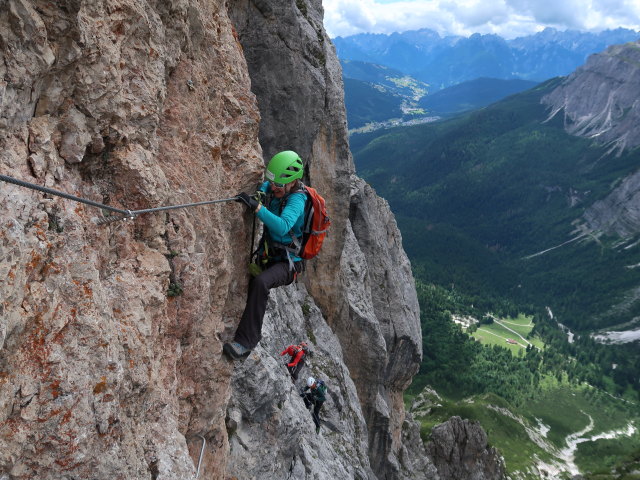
(111, 334)
(135, 104)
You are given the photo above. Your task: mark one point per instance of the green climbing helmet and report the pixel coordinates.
(284, 167)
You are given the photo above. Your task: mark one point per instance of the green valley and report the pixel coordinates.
(492, 208)
(511, 333)
(566, 430)
(478, 196)
(537, 404)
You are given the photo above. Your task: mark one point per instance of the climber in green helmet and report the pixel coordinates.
(279, 204)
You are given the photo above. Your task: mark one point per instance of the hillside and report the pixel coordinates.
(471, 95)
(382, 96)
(375, 93)
(545, 438)
(477, 197)
(548, 404)
(528, 205)
(367, 103)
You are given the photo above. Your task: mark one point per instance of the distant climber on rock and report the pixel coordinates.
(282, 213)
(314, 395)
(298, 354)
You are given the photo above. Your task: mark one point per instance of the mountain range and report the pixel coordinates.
(444, 61)
(409, 75)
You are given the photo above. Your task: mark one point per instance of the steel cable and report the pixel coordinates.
(68, 196)
(125, 213)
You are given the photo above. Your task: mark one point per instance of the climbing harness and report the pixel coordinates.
(262, 255)
(124, 214)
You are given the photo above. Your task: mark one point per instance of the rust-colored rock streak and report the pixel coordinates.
(103, 373)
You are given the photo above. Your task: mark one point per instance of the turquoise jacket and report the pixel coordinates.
(278, 225)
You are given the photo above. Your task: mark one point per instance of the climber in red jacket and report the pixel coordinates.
(298, 354)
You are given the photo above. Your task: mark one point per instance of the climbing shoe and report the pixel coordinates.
(235, 350)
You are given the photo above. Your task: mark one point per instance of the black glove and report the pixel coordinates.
(250, 202)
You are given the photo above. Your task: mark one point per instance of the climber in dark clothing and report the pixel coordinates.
(314, 395)
(298, 354)
(283, 218)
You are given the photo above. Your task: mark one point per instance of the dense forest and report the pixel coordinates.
(478, 197)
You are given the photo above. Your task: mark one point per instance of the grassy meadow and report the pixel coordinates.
(507, 330)
(538, 431)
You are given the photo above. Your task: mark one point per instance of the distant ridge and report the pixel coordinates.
(446, 61)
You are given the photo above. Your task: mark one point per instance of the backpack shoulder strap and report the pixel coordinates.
(300, 189)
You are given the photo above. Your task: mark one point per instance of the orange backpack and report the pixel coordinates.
(316, 224)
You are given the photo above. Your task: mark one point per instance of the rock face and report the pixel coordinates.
(619, 212)
(363, 282)
(383, 304)
(272, 434)
(135, 104)
(459, 450)
(110, 335)
(599, 100)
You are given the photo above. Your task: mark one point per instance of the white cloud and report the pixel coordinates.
(614, 13)
(551, 12)
(345, 17)
(508, 18)
(478, 13)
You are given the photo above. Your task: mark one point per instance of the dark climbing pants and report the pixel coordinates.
(317, 405)
(249, 330)
(295, 370)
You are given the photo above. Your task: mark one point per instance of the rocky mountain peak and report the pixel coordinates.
(600, 99)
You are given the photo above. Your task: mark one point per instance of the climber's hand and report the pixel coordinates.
(250, 202)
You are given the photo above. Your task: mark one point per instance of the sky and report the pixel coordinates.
(507, 18)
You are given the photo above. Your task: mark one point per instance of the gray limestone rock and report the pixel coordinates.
(600, 99)
(619, 212)
(271, 433)
(362, 281)
(460, 451)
